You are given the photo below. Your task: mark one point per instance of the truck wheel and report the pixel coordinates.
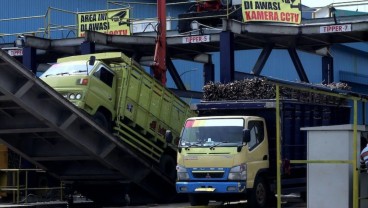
(259, 194)
(101, 120)
(198, 200)
(168, 166)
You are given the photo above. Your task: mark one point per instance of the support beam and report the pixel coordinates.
(298, 65)
(327, 70)
(174, 74)
(226, 56)
(24, 89)
(113, 40)
(262, 59)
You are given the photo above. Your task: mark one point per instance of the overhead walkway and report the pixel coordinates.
(312, 36)
(40, 125)
(309, 36)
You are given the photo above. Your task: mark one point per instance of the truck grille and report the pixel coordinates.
(208, 174)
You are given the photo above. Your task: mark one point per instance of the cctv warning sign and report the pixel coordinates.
(285, 11)
(114, 22)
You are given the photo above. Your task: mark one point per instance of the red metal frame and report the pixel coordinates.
(209, 6)
(159, 60)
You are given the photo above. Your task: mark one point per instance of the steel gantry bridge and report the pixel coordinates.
(312, 36)
(53, 134)
(49, 131)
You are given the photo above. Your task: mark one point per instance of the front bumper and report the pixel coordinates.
(211, 187)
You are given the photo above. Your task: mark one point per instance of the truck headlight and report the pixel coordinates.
(182, 173)
(73, 96)
(78, 96)
(238, 172)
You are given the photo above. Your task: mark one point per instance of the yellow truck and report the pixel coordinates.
(122, 98)
(229, 152)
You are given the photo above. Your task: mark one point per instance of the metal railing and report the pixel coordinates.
(44, 31)
(355, 99)
(18, 185)
(49, 26)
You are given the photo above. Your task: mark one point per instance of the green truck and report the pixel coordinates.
(122, 98)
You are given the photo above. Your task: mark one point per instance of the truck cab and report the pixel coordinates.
(222, 157)
(90, 85)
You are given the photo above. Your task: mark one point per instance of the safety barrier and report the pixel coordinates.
(355, 98)
(18, 185)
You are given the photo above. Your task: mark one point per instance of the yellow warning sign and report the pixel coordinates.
(114, 22)
(286, 11)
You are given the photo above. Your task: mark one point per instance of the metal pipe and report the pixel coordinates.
(62, 10)
(278, 148)
(21, 18)
(355, 153)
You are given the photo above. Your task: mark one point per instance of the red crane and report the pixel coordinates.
(159, 59)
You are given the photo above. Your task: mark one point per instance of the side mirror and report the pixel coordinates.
(92, 60)
(168, 136)
(246, 135)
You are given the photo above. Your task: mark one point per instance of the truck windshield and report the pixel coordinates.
(68, 68)
(209, 132)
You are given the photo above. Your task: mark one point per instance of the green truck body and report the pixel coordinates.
(122, 97)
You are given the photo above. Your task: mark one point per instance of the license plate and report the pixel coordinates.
(205, 189)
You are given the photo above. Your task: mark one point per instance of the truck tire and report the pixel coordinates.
(168, 166)
(101, 120)
(259, 194)
(198, 200)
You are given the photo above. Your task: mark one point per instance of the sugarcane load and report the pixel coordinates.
(259, 88)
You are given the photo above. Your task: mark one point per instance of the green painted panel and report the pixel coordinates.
(141, 117)
(133, 85)
(145, 93)
(155, 104)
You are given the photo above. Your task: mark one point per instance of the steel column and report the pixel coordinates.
(88, 47)
(208, 73)
(327, 70)
(226, 56)
(298, 65)
(29, 59)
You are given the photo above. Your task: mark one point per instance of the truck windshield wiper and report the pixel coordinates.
(62, 73)
(80, 71)
(192, 145)
(215, 145)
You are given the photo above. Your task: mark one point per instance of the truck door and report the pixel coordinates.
(257, 148)
(102, 87)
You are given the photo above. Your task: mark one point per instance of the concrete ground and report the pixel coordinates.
(289, 201)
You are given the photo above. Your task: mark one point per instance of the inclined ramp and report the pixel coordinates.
(46, 129)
